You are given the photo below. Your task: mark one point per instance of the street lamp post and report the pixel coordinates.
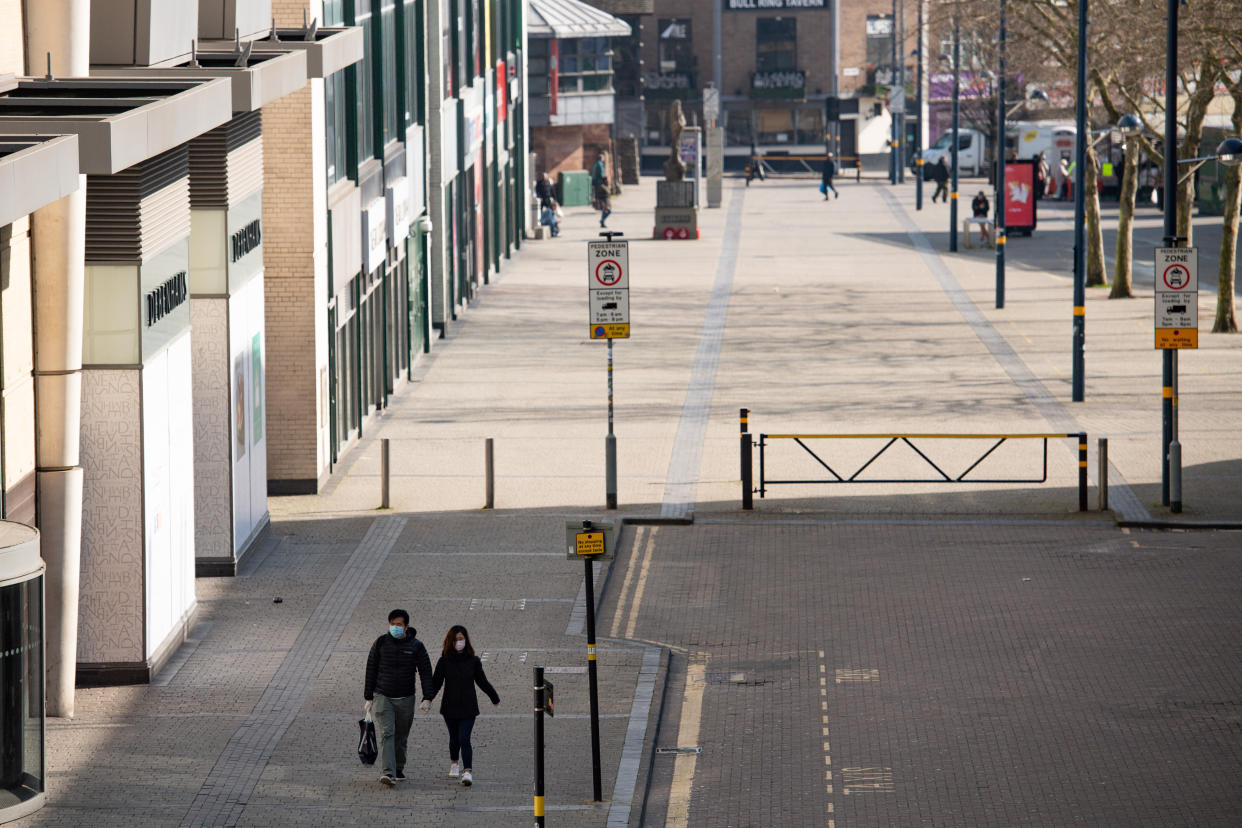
(918, 133)
(1080, 233)
(1000, 169)
(1169, 444)
(957, 60)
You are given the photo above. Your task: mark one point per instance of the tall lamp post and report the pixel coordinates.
(1080, 233)
(957, 60)
(1000, 168)
(918, 133)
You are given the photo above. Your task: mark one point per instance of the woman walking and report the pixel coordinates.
(458, 671)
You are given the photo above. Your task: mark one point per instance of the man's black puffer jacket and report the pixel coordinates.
(458, 673)
(392, 665)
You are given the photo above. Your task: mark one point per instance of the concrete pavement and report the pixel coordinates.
(839, 317)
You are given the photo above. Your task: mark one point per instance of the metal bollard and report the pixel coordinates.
(748, 496)
(1102, 489)
(1082, 471)
(384, 473)
(1175, 477)
(490, 473)
(539, 807)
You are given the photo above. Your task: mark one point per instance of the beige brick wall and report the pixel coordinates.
(11, 37)
(289, 176)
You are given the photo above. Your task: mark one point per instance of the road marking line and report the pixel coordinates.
(687, 734)
(823, 693)
(629, 578)
(641, 586)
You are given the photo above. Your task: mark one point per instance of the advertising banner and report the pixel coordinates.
(1020, 196)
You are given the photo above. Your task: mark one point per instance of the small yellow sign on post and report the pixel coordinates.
(617, 331)
(1177, 337)
(589, 543)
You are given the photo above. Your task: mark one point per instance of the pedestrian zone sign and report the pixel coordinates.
(1177, 297)
(608, 289)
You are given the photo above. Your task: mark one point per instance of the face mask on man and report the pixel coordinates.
(460, 645)
(396, 631)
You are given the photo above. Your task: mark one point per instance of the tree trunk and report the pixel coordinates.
(1196, 110)
(1226, 316)
(1095, 236)
(1122, 287)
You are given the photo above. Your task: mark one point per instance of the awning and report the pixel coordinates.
(35, 170)
(119, 121)
(572, 18)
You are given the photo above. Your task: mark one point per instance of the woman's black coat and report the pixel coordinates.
(459, 673)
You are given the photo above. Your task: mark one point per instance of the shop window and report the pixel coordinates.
(21, 691)
(775, 126)
(333, 12)
(880, 41)
(364, 88)
(537, 66)
(739, 128)
(448, 49)
(809, 128)
(387, 86)
(584, 64)
(336, 126)
(776, 44)
(411, 53)
(676, 46)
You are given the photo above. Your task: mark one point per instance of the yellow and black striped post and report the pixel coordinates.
(539, 746)
(593, 676)
(1082, 471)
(748, 489)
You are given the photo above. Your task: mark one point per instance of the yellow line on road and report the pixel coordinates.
(641, 586)
(687, 736)
(629, 578)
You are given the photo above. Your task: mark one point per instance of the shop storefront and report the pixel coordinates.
(23, 765)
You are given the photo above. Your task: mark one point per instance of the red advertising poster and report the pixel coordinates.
(502, 92)
(1019, 196)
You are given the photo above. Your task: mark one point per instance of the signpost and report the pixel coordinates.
(591, 542)
(1177, 297)
(1177, 327)
(608, 294)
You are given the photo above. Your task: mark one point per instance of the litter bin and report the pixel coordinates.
(573, 189)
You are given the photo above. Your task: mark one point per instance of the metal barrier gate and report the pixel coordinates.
(748, 444)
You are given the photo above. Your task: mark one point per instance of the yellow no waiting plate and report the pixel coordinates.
(610, 331)
(589, 543)
(1177, 338)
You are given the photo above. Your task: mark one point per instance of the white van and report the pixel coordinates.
(1053, 138)
(971, 145)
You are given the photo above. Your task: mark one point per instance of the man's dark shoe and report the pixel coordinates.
(400, 775)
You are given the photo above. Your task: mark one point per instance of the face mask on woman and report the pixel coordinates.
(460, 645)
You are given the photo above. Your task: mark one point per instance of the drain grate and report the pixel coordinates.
(680, 750)
(736, 678)
(497, 604)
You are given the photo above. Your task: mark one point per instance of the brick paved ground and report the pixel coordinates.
(1099, 692)
(976, 674)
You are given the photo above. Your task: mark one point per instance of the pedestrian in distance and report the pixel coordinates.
(395, 660)
(1041, 176)
(755, 168)
(546, 194)
(940, 174)
(458, 671)
(599, 189)
(979, 208)
(830, 170)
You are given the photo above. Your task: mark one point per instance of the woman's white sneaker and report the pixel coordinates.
(454, 770)
(467, 779)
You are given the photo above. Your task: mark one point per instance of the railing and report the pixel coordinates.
(766, 165)
(890, 440)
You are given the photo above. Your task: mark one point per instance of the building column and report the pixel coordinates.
(61, 29)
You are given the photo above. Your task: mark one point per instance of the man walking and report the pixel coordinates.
(940, 174)
(830, 169)
(599, 189)
(395, 659)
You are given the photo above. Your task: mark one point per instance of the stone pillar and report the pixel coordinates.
(60, 28)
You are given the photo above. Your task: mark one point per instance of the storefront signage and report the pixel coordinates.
(374, 235)
(474, 121)
(787, 84)
(398, 210)
(166, 297)
(668, 85)
(502, 82)
(245, 240)
(773, 5)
